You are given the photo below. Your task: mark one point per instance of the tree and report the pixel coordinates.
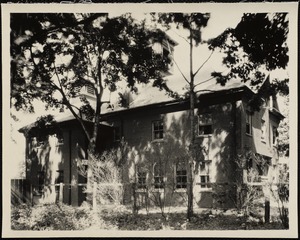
(283, 131)
(258, 41)
(255, 47)
(192, 23)
(55, 55)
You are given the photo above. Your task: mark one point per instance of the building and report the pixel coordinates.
(156, 129)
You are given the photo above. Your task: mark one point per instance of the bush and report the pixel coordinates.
(53, 217)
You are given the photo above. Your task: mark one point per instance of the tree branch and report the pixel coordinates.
(203, 63)
(204, 81)
(70, 106)
(184, 77)
(181, 36)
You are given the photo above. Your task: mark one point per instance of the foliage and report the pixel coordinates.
(192, 24)
(205, 220)
(105, 170)
(160, 187)
(61, 217)
(242, 191)
(281, 195)
(55, 55)
(283, 131)
(258, 43)
(53, 217)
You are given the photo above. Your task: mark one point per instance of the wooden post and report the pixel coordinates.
(94, 196)
(61, 192)
(267, 209)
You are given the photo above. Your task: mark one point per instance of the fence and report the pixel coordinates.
(22, 191)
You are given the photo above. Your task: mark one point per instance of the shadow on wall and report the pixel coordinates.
(44, 163)
(159, 159)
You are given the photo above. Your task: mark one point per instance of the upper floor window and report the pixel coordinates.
(90, 89)
(117, 134)
(205, 124)
(248, 123)
(157, 130)
(166, 50)
(263, 130)
(274, 135)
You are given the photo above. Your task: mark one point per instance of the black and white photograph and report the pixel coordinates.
(150, 120)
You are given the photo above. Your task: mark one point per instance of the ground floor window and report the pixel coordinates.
(141, 179)
(158, 176)
(41, 181)
(181, 176)
(205, 181)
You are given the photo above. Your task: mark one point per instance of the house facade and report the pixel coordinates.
(156, 130)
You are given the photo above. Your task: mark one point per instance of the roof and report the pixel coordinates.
(149, 95)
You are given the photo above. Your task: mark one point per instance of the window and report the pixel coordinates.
(263, 130)
(166, 50)
(181, 176)
(157, 130)
(117, 134)
(205, 124)
(248, 123)
(274, 135)
(41, 181)
(90, 89)
(158, 176)
(59, 176)
(141, 179)
(205, 174)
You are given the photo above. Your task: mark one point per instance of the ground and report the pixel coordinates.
(62, 217)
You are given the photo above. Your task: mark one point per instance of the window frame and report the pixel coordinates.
(158, 175)
(141, 184)
(182, 184)
(159, 131)
(117, 134)
(205, 124)
(248, 118)
(274, 139)
(206, 184)
(88, 88)
(263, 128)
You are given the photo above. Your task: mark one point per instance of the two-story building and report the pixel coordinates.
(156, 129)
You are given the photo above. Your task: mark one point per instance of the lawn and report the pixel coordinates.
(62, 217)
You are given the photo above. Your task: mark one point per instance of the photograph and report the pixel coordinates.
(150, 120)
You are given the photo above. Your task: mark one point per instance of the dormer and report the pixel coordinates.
(165, 47)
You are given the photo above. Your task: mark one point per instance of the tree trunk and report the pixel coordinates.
(192, 122)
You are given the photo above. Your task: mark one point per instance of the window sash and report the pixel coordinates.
(181, 178)
(205, 181)
(263, 130)
(141, 179)
(158, 130)
(205, 124)
(248, 123)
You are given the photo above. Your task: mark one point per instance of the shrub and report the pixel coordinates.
(54, 217)
(281, 196)
(19, 217)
